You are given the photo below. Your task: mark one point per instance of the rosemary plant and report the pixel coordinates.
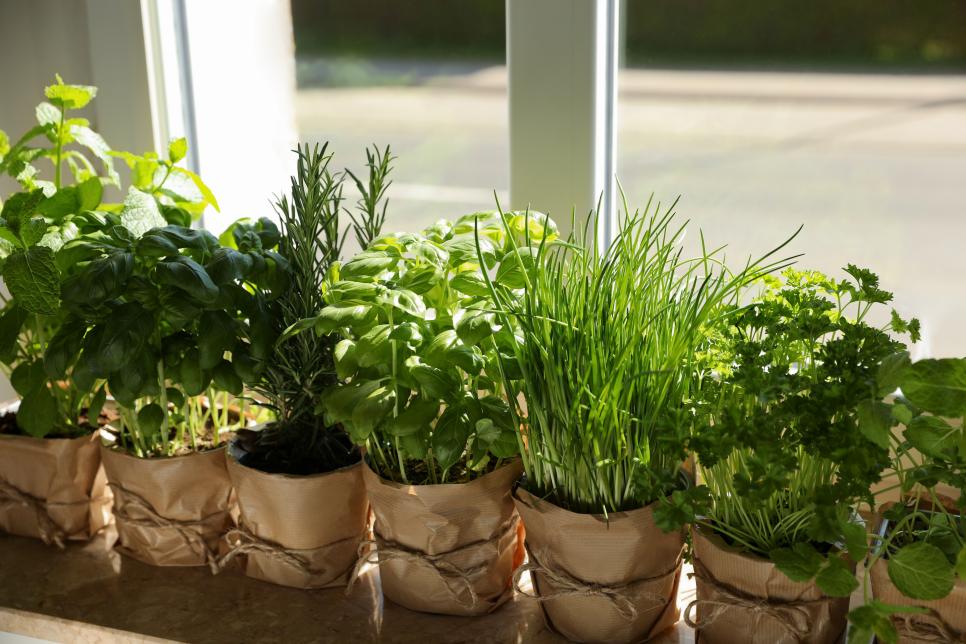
(609, 358)
(301, 367)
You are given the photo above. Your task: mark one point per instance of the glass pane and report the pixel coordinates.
(765, 117)
(428, 78)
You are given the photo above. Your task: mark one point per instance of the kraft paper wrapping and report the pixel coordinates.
(602, 579)
(745, 598)
(52, 488)
(170, 511)
(449, 548)
(299, 531)
(945, 621)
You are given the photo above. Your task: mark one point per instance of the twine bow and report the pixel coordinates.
(568, 586)
(377, 551)
(188, 530)
(50, 532)
(783, 612)
(928, 627)
(243, 541)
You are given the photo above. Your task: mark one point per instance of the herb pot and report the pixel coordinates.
(52, 488)
(945, 621)
(299, 531)
(449, 548)
(745, 598)
(170, 511)
(601, 579)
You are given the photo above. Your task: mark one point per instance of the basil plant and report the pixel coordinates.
(423, 357)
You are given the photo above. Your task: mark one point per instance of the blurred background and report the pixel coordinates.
(845, 116)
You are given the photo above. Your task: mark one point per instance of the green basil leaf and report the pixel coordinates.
(226, 379)
(38, 415)
(189, 276)
(415, 418)
(450, 435)
(28, 377)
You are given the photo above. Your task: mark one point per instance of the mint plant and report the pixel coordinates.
(792, 443)
(424, 356)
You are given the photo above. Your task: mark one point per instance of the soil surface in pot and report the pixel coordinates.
(8, 424)
(277, 449)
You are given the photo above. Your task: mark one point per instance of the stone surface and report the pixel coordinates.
(45, 593)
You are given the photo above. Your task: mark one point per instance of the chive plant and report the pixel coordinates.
(609, 357)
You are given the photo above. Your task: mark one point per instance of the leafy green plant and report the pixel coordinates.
(925, 542)
(37, 223)
(300, 367)
(793, 443)
(424, 355)
(608, 357)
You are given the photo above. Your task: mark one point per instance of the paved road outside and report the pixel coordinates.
(873, 165)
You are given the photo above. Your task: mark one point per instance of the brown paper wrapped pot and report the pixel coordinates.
(745, 598)
(602, 579)
(945, 621)
(299, 531)
(170, 511)
(52, 488)
(449, 548)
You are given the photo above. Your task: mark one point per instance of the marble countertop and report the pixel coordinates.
(88, 593)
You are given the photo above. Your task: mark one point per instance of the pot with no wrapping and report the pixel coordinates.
(299, 531)
(170, 511)
(745, 598)
(601, 579)
(52, 488)
(449, 548)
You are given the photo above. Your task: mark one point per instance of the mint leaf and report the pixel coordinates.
(835, 579)
(921, 571)
(177, 149)
(890, 373)
(931, 435)
(937, 386)
(801, 562)
(961, 564)
(98, 147)
(89, 194)
(33, 280)
(48, 114)
(870, 620)
(72, 97)
(856, 540)
(874, 421)
(140, 213)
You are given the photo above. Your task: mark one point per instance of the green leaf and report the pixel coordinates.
(801, 562)
(473, 325)
(226, 379)
(371, 410)
(961, 564)
(11, 322)
(33, 280)
(55, 238)
(415, 418)
(206, 192)
(89, 194)
(102, 279)
(346, 362)
(71, 97)
(65, 201)
(367, 264)
(874, 421)
(335, 317)
(517, 267)
(21, 207)
(891, 371)
(227, 265)
(870, 620)
(177, 149)
(449, 437)
(856, 540)
(407, 302)
(48, 114)
(189, 276)
(96, 405)
(341, 401)
(920, 570)
(28, 377)
(937, 386)
(433, 382)
(140, 213)
(836, 579)
(38, 414)
(470, 283)
(901, 413)
(98, 147)
(150, 419)
(216, 335)
(128, 330)
(349, 292)
(32, 231)
(931, 435)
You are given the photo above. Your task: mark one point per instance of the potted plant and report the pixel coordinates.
(302, 503)
(51, 484)
(422, 358)
(609, 340)
(786, 457)
(915, 579)
(156, 314)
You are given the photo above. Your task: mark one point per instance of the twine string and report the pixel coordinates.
(928, 627)
(50, 531)
(242, 541)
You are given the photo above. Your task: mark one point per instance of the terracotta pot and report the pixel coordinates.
(945, 621)
(52, 488)
(299, 531)
(601, 579)
(170, 511)
(745, 598)
(449, 548)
